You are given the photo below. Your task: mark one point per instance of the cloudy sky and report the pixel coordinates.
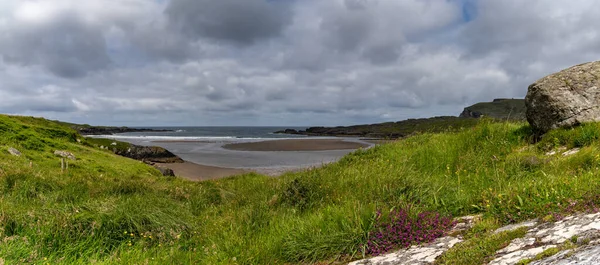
(280, 62)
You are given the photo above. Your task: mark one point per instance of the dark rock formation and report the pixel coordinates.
(93, 130)
(467, 113)
(288, 131)
(148, 153)
(565, 99)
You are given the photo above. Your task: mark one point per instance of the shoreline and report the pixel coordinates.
(198, 172)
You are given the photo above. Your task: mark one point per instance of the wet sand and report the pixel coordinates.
(206, 160)
(296, 145)
(197, 172)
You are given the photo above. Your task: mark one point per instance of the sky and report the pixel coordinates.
(280, 62)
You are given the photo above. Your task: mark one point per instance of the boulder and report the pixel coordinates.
(565, 99)
(167, 172)
(65, 154)
(14, 152)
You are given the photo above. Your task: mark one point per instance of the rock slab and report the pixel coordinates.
(14, 152)
(565, 99)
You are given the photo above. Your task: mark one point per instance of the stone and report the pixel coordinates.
(167, 172)
(565, 99)
(14, 152)
(65, 154)
(416, 255)
(589, 255)
(527, 224)
(571, 152)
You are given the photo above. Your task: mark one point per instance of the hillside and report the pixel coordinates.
(390, 130)
(91, 213)
(501, 108)
(86, 129)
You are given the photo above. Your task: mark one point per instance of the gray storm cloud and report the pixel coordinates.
(238, 21)
(66, 46)
(280, 62)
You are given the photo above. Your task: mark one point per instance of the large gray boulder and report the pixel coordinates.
(565, 99)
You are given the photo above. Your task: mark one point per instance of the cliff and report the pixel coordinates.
(501, 108)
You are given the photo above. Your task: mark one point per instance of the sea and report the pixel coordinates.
(204, 145)
(213, 133)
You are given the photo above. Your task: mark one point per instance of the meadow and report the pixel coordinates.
(107, 209)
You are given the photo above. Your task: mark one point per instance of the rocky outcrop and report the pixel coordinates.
(500, 108)
(565, 99)
(288, 131)
(101, 130)
(148, 153)
(467, 113)
(580, 232)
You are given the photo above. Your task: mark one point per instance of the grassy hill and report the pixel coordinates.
(392, 130)
(111, 210)
(513, 109)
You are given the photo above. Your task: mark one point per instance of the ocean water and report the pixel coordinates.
(230, 134)
(204, 145)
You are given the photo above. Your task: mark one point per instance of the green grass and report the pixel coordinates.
(88, 214)
(398, 129)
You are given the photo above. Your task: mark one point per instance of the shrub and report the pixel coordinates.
(400, 230)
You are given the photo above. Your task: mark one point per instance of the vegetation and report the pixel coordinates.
(479, 250)
(394, 129)
(503, 109)
(111, 210)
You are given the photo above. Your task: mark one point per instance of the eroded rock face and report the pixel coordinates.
(565, 99)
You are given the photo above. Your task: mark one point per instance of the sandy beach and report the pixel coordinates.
(296, 145)
(266, 151)
(197, 172)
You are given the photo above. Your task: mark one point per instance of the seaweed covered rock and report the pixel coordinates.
(565, 99)
(149, 153)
